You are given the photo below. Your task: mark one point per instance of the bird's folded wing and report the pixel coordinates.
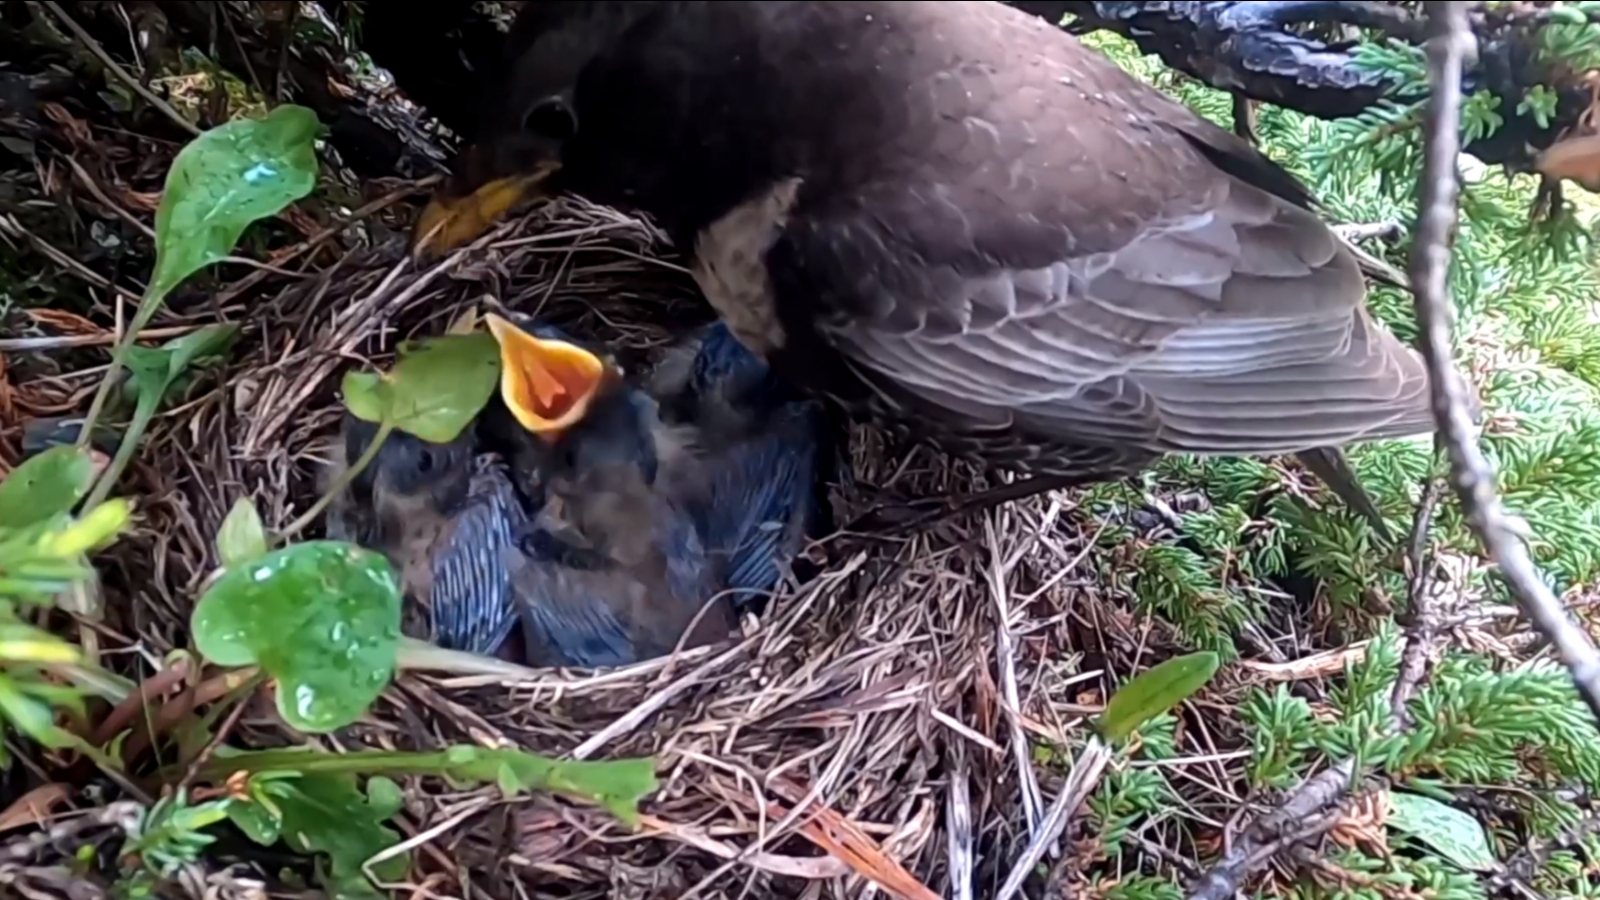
(1237, 327)
(567, 614)
(471, 602)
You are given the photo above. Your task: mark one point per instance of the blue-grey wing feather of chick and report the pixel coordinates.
(473, 606)
(763, 495)
(570, 597)
(565, 598)
(764, 500)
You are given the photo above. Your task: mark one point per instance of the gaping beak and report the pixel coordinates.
(547, 384)
(453, 218)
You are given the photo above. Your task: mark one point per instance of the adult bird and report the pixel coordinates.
(613, 568)
(954, 218)
(445, 515)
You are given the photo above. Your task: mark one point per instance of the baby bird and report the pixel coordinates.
(445, 517)
(767, 445)
(612, 569)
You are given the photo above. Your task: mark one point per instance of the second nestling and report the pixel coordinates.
(603, 517)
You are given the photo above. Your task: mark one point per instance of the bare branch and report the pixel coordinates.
(1448, 47)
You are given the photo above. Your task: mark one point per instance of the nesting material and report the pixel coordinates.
(902, 689)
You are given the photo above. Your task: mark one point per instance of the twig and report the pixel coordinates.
(114, 68)
(1081, 780)
(1264, 838)
(1423, 624)
(1449, 45)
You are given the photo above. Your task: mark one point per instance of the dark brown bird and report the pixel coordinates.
(613, 568)
(954, 218)
(445, 516)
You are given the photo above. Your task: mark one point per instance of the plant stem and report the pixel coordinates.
(119, 359)
(144, 411)
(338, 486)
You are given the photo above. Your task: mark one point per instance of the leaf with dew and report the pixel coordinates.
(322, 618)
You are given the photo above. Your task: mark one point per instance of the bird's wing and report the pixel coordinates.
(1058, 248)
(762, 499)
(566, 606)
(471, 603)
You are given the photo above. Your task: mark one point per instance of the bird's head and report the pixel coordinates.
(597, 437)
(549, 382)
(521, 142)
(411, 473)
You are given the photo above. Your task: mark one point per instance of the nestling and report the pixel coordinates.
(445, 516)
(768, 448)
(612, 568)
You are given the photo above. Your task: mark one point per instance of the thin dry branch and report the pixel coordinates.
(1449, 47)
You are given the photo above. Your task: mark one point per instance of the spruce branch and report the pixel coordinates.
(1260, 51)
(1448, 48)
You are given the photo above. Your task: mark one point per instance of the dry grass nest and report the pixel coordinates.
(881, 721)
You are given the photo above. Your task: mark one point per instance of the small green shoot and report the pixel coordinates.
(152, 373)
(616, 785)
(435, 390)
(242, 538)
(221, 182)
(322, 618)
(1155, 692)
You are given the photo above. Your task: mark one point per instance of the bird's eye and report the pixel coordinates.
(425, 462)
(551, 118)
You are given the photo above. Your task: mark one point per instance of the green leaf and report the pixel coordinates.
(225, 179)
(1156, 692)
(618, 785)
(242, 538)
(438, 386)
(1455, 834)
(329, 814)
(322, 618)
(90, 531)
(258, 823)
(45, 486)
(154, 369)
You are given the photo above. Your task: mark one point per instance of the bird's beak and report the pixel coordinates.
(547, 384)
(467, 206)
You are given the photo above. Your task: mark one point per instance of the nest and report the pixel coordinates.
(862, 731)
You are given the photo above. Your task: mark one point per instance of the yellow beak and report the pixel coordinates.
(450, 222)
(547, 384)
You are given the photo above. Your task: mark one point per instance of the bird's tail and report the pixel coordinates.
(1333, 467)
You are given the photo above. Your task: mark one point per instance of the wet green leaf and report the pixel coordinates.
(258, 822)
(1155, 692)
(225, 179)
(45, 486)
(438, 386)
(242, 538)
(1455, 834)
(322, 618)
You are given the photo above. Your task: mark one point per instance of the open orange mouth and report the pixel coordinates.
(547, 384)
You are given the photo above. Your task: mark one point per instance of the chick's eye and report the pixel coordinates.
(551, 118)
(425, 462)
